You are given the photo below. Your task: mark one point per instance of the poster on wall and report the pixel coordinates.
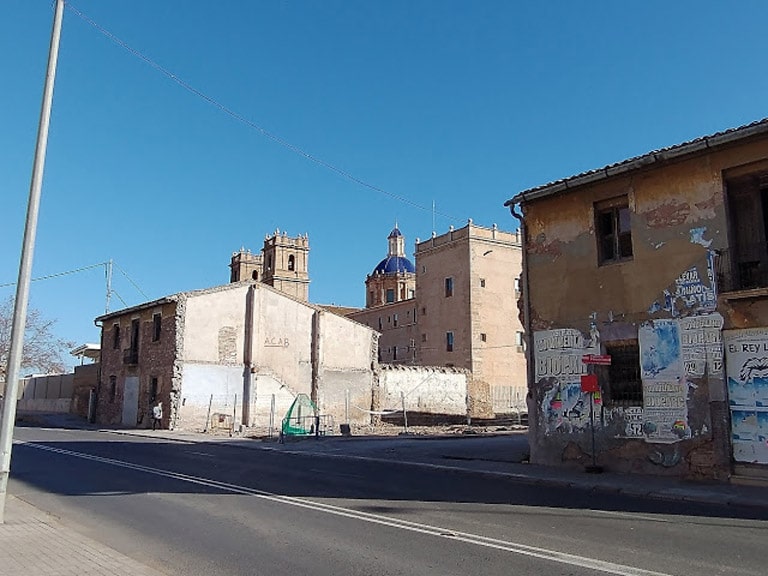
(660, 357)
(692, 292)
(702, 346)
(665, 411)
(746, 353)
(558, 356)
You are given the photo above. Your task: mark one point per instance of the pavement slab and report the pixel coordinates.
(33, 542)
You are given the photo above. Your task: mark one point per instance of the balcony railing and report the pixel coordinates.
(131, 356)
(742, 268)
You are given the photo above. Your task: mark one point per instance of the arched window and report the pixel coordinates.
(291, 262)
(255, 275)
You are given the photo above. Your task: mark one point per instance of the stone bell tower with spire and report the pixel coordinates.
(285, 264)
(282, 264)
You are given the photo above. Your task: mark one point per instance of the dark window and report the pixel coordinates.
(112, 388)
(394, 353)
(153, 389)
(483, 337)
(482, 282)
(449, 341)
(448, 287)
(394, 319)
(423, 311)
(614, 233)
(379, 322)
(390, 295)
(744, 265)
(255, 275)
(116, 337)
(157, 324)
(423, 337)
(291, 263)
(135, 323)
(624, 384)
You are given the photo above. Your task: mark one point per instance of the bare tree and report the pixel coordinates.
(42, 350)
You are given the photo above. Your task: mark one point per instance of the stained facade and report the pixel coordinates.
(460, 312)
(240, 350)
(658, 265)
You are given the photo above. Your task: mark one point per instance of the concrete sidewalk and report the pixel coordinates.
(33, 542)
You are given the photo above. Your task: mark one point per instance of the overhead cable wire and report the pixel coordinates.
(119, 298)
(49, 276)
(124, 273)
(243, 120)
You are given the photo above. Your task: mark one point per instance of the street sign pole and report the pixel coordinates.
(590, 385)
(25, 266)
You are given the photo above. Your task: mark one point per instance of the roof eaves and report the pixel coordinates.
(142, 306)
(631, 164)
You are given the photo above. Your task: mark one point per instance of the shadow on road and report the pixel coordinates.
(107, 467)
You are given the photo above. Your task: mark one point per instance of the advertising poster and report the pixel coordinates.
(660, 355)
(558, 355)
(692, 291)
(665, 411)
(746, 354)
(702, 345)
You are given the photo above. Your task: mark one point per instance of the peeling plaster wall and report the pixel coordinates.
(678, 223)
(426, 390)
(215, 360)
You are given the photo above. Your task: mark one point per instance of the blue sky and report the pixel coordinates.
(458, 102)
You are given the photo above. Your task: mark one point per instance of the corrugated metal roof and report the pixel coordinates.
(636, 163)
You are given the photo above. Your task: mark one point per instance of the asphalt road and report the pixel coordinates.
(212, 509)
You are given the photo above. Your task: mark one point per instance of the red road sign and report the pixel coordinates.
(599, 359)
(589, 383)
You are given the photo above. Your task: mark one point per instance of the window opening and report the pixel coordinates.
(448, 287)
(625, 387)
(614, 233)
(157, 325)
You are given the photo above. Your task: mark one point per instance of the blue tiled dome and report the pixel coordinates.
(393, 264)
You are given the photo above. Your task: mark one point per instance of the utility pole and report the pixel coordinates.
(108, 272)
(25, 265)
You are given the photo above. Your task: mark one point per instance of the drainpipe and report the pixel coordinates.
(316, 359)
(248, 355)
(526, 304)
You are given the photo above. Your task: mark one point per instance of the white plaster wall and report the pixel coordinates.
(282, 340)
(345, 344)
(338, 385)
(222, 386)
(206, 314)
(432, 390)
(200, 382)
(50, 406)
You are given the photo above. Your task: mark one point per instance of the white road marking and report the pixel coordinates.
(200, 453)
(474, 539)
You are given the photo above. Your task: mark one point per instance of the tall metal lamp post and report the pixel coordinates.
(25, 266)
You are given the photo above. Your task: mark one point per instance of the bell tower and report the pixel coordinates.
(285, 264)
(245, 266)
